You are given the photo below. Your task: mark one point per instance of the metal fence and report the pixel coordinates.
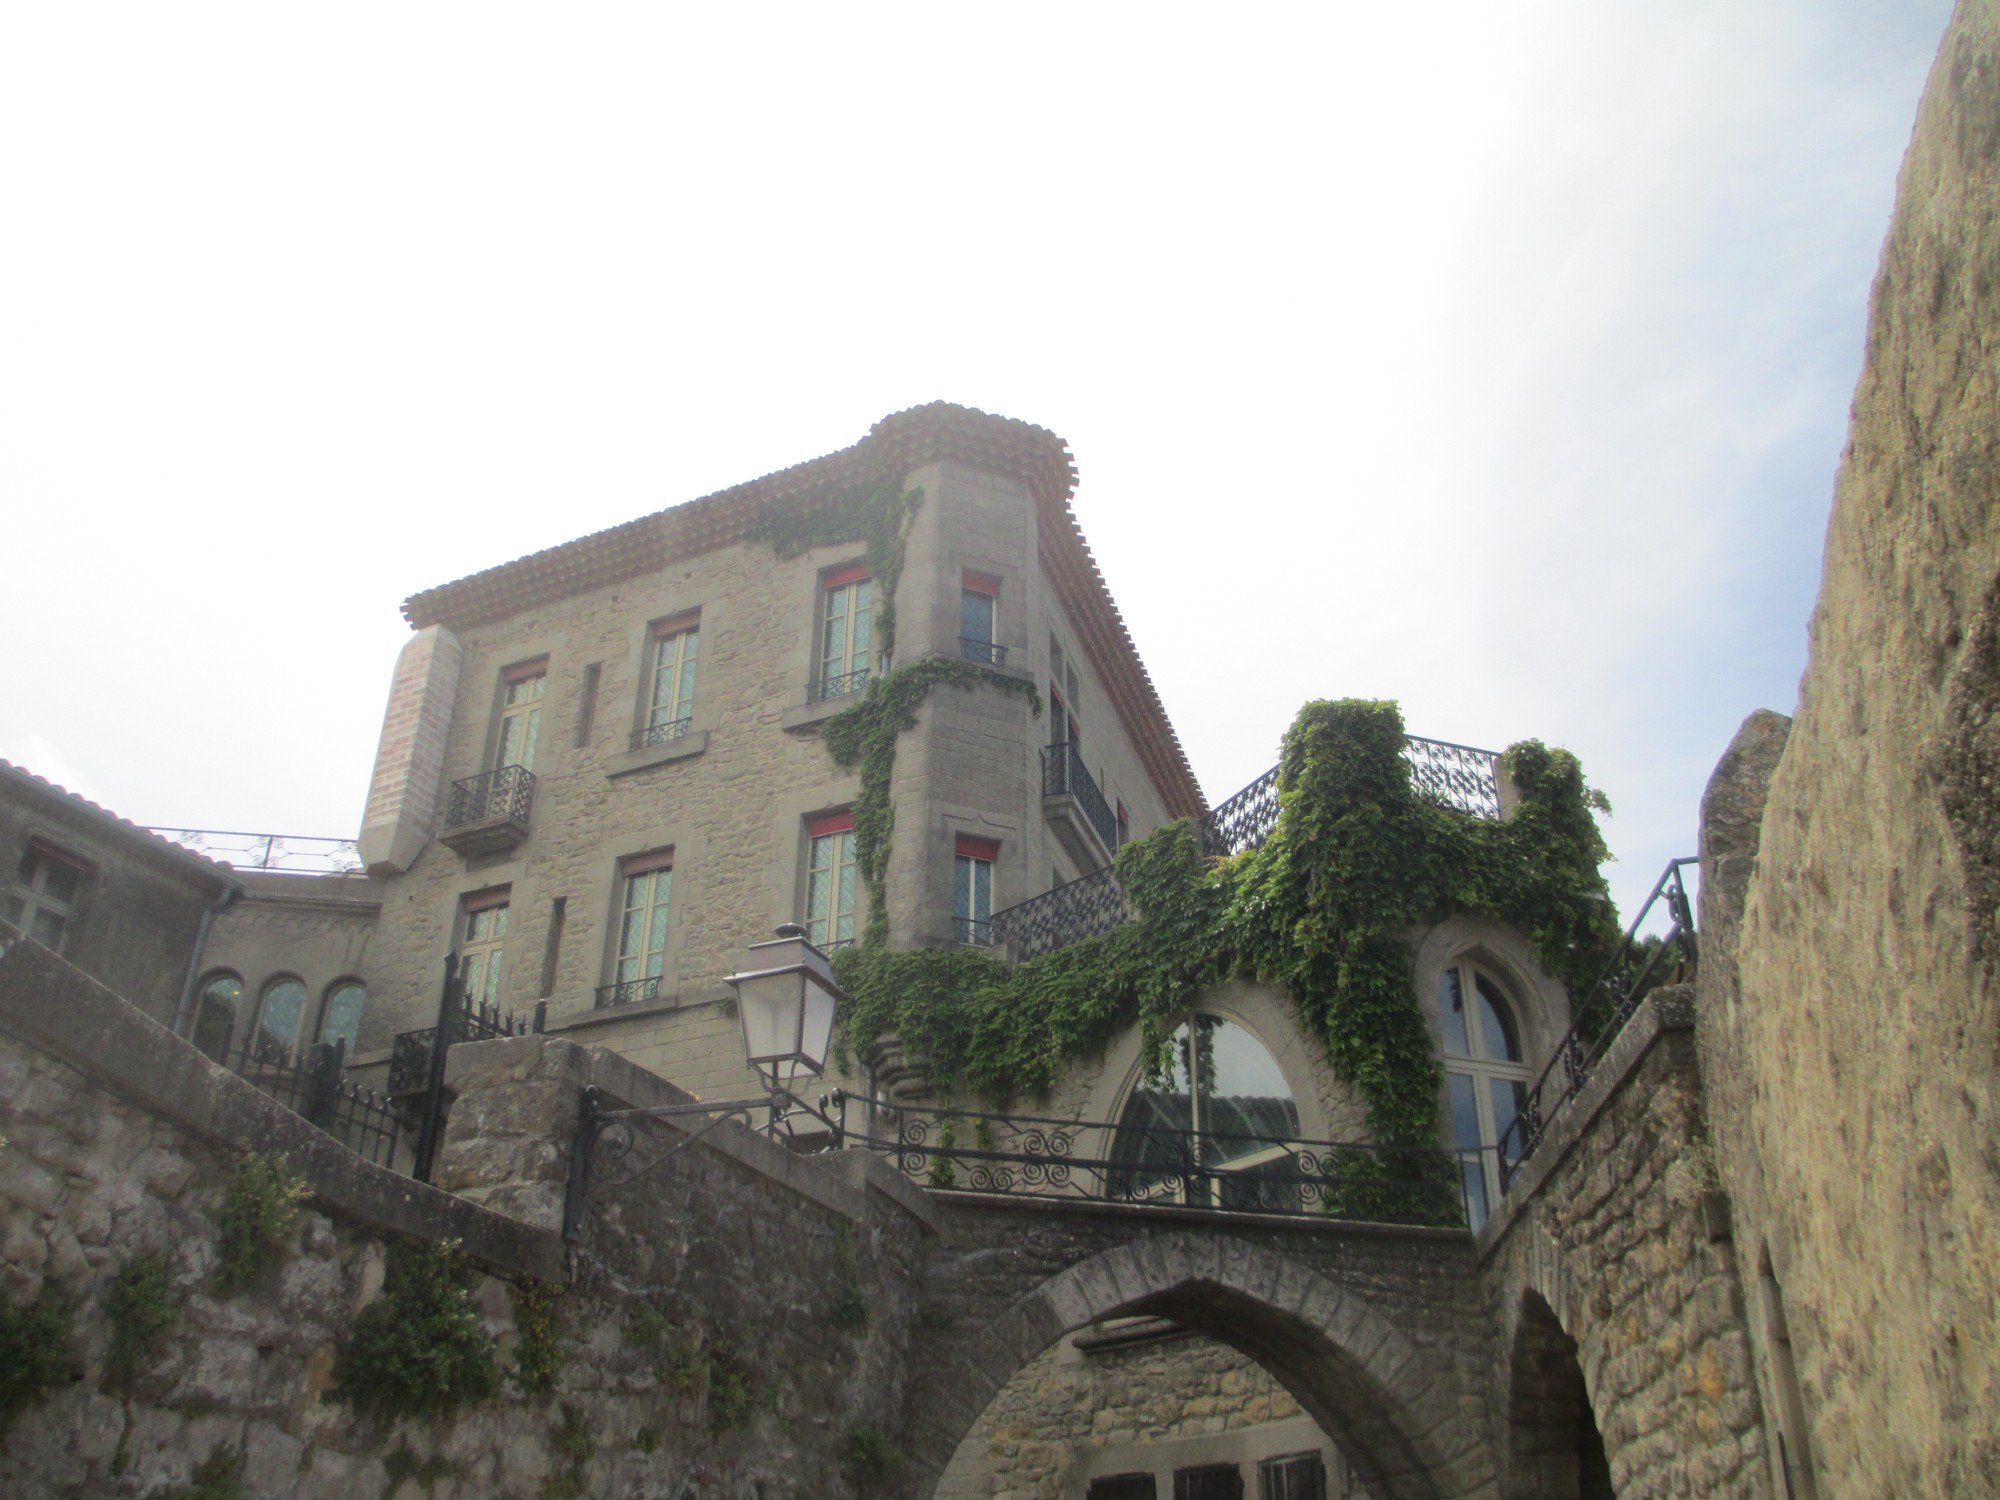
(416, 1059)
(836, 685)
(508, 792)
(1083, 908)
(1641, 965)
(282, 853)
(1096, 1161)
(661, 734)
(1064, 774)
(317, 1089)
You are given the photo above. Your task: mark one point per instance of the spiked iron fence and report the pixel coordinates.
(316, 1088)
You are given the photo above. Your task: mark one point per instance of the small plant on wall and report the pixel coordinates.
(258, 1217)
(420, 1349)
(142, 1308)
(37, 1350)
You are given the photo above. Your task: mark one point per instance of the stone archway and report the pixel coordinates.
(1392, 1405)
(1554, 1448)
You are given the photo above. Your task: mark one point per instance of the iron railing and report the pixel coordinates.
(836, 685)
(508, 792)
(1460, 777)
(972, 648)
(1641, 964)
(281, 853)
(661, 734)
(1037, 1156)
(317, 1089)
(1083, 908)
(976, 932)
(1243, 821)
(1064, 774)
(628, 992)
(416, 1062)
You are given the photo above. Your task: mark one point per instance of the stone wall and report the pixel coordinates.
(773, 1296)
(1850, 1040)
(1091, 1407)
(1613, 1281)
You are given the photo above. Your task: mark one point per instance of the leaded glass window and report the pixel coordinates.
(831, 887)
(642, 926)
(479, 954)
(672, 698)
(520, 720)
(340, 1022)
(1486, 1081)
(279, 1016)
(1212, 1127)
(846, 621)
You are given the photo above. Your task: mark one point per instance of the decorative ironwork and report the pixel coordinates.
(1641, 964)
(1083, 908)
(1065, 775)
(628, 992)
(1040, 1156)
(836, 685)
(318, 1090)
(1456, 776)
(660, 734)
(972, 648)
(1243, 821)
(281, 853)
(973, 932)
(508, 792)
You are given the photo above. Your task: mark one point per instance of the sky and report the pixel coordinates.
(1494, 359)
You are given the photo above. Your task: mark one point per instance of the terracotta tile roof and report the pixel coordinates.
(125, 827)
(893, 447)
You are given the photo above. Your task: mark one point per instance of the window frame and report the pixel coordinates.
(680, 634)
(641, 874)
(1482, 1072)
(331, 993)
(845, 582)
(981, 646)
(975, 861)
(835, 833)
(28, 896)
(484, 951)
(257, 1047)
(232, 1008)
(528, 710)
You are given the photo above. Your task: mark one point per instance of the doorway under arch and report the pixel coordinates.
(1554, 1448)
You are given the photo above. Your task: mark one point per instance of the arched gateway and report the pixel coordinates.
(1377, 1332)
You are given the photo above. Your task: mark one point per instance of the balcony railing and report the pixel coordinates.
(836, 685)
(973, 932)
(660, 734)
(628, 992)
(972, 648)
(280, 853)
(1064, 774)
(1083, 908)
(506, 793)
(1640, 966)
(1458, 777)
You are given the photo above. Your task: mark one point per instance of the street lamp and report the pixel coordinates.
(787, 1000)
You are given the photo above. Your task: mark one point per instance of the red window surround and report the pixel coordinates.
(41, 848)
(645, 864)
(522, 671)
(970, 847)
(852, 573)
(493, 895)
(981, 583)
(826, 823)
(675, 624)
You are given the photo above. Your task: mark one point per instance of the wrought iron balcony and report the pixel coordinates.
(660, 734)
(1460, 777)
(836, 685)
(972, 648)
(488, 813)
(1084, 908)
(1065, 775)
(628, 992)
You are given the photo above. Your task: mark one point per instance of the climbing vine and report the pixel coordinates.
(1358, 858)
(421, 1349)
(864, 737)
(877, 515)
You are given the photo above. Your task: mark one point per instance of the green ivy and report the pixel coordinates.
(421, 1349)
(538, 1357)
(864, 737)
(142, 1309)
(37, 1350)
(217, 1477)
(867, 1459)
(877, 515)
(258, 1218)
(1358, 859)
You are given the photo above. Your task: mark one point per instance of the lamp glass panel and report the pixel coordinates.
(816, 1035)
(769, 1005)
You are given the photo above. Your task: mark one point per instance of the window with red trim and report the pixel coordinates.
(846, 627)
(485, 935)
(972, 888)
(646, 887)
(832, 881)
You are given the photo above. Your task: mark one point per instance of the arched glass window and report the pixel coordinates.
(340, 1021)
(279, 1014)
(215, 1015)
(1213, 1128)
(1486, 1080)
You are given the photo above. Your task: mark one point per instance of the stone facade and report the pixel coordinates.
(1848, 1005)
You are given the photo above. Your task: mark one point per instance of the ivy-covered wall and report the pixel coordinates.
(1323, 910)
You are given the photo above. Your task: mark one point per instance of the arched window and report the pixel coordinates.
(1486, 1079)
(280, 1012)
(215, 1016)
(340, 1019)
(1213, 1127)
